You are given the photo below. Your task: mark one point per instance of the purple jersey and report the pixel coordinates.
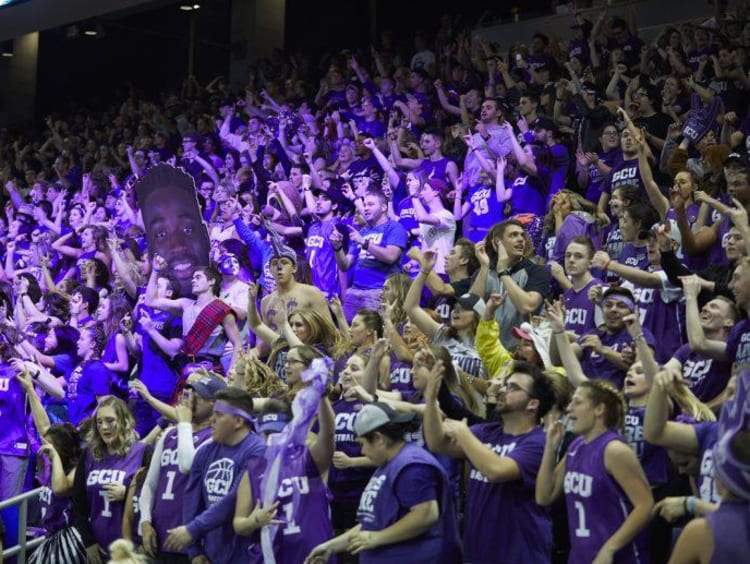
(596, 504)
(167, 510)
(663, 313)
(729, 527)
(369, 272)
(55, 510)
(411, 477)
(693, 262)
(706, 377)
(303, 506)
(738, 345)
(707, 435)
(579, 309)
(211, 496)
(654, 459)
(321, 257)
(346, 484)
(14, 440)
(528, 535)
(596, 178)
(401, 376)
(105, 516)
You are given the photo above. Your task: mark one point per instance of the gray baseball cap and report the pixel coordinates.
(374, 415)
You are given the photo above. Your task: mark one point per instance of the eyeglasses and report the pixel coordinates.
(513, 387)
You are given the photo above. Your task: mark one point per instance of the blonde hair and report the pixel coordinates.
(605, 393)
(125, 437)
(122, 551)
(259, 379)
(690, 404)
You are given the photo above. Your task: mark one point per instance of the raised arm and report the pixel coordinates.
(416, 314)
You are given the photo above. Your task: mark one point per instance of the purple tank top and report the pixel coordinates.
(401, 377)
(303, 506)
(55, 510)
(596, 504)
(167, 510)
(730, 527)
(665, 320)
(106, 516)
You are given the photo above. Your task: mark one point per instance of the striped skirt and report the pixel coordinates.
(63, 547)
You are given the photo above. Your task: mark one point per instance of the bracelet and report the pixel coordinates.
(375, 398)
(691, 505)
(685, 505)
(366, 244)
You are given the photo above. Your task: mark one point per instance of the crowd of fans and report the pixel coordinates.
(394, 314)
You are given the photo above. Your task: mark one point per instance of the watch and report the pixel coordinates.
(502, 273)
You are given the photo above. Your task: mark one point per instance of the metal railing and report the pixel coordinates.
(23, 545)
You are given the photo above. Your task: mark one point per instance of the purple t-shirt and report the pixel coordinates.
(624, 172)
(89, 380)
(579, 309)
(346, 484)
(596, 179)
(706, 377)
(635, 257)
(729, 526)
(654, 459)
(597, 506)
(369, 272)
(506, 514)
(322, 258)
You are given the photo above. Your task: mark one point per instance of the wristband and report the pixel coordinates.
(366, 244)
(691, 504)
(685, 505)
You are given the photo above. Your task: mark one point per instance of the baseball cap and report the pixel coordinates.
(374, 415)
(519, 333)
(190, 136)
(471, 302)
(736, 158)
(273, 422)
(438, 185)
(283, 251)
(334, 195)
(207, 386)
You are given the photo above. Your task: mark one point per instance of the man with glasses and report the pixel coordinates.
(163, 489)
(626, 172)
(655, 123)
(593, 168)
(502, 521)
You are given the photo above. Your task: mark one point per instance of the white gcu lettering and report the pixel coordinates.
(578, 484)
(694, 371)
(401, 376)
(288, 485)
(576, 316)
(168, 457)
(500, 450)
(375, 239)
(345, 421)
(625, 174)
(634, 434)
(4, 384)
(104, 477)
(367, 501)
(219, 478)
(315, 241)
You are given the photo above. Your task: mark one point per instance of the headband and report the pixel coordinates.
(223, 407)
(622, 299)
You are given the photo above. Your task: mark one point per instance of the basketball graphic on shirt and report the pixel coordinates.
(219, 478)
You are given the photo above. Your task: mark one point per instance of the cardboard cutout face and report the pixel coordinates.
(174, 227)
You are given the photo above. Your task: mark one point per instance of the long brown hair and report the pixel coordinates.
(126, 434)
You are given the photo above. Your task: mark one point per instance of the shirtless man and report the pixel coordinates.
(288, 291)
(218, 320)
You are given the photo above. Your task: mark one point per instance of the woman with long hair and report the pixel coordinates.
(57, 460)
(607, 495)
(301, 326)
(569, 215)
(104, 473)
(110, 313)
(91, 380)
(93, 245)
